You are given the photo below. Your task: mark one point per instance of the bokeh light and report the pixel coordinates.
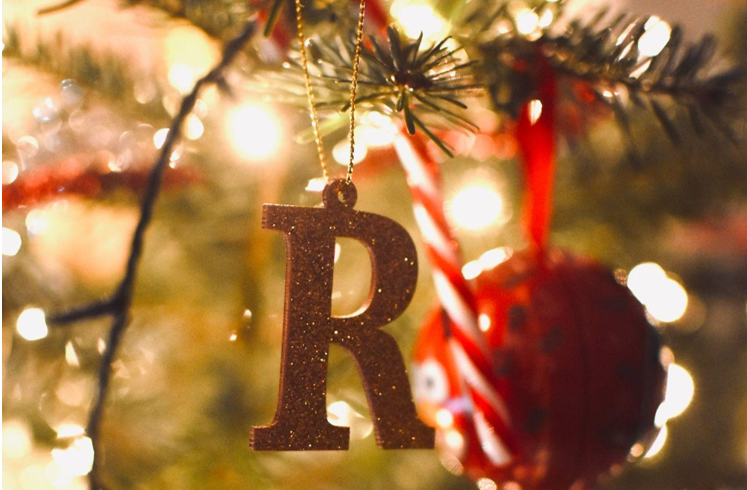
(11, 242)
(665, 298)
(415, 17)
(476, 207)
(658, 443)
(486, 484)
(527, 21)
(76, 458)
(655, 38)
(32, 324)
(10, 172)
(254, 131)
(16, 439)
(679, 393)
(341, 152)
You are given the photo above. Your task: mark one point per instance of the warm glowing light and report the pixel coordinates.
(71, 357)
(36, 222)
(486, 484)
(655, 38)
(488, 260)
(32, 324)
(189, 53)
(159, 138)
(416, 18)
(471, 269)
(658, 443)
(670, 303)
(16, 439)
(636, 451)
(10, 172)
(376, 129)
(476, 207)
(316, 184)
(182, 77)
(546, 18)
(527, 21)
(643, 279)
(444, 418)
(495, 256)
(484, 322)
(665, 299)
(679, 394)
(254, 131)
(454, 440)
(535, 111)
(77, 458)
(341, 414)
(193, 127)
(11, 242)
(341, 153)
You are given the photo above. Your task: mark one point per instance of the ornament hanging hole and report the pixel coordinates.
(340, 194)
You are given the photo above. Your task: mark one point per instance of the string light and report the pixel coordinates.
(254, 131)
(486, 484)
(193, 127)
(11, 242)
(182, 77)
(341, 414)
(679, 393)
(417, 17)
(527, 21)
(32, 324)
(665, 298)
(16, 439)
(159, 137)
(444, 418)
(535, 111)
(655, 38)
(476, 207)
(76, 459)
(341, 152)
(10, 172)
(658, 443)
(484, 322)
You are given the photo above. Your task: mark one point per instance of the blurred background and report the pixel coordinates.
(88, 93)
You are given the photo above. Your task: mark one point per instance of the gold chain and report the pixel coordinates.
(310, 90)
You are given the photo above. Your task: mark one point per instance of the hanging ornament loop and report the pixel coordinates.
(339, 194)
(354, 85)
(310, 91)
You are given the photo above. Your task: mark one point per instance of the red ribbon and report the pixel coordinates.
(535, 134)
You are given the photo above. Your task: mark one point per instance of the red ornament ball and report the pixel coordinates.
(578, 363)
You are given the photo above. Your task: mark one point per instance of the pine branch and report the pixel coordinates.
(104, 72)
(421, 84)
(609, 59)
(118, 306)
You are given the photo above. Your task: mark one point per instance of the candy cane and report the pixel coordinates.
(467, 343)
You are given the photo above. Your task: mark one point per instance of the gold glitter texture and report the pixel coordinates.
(301, 418)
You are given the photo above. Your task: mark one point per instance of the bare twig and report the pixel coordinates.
(118, 305)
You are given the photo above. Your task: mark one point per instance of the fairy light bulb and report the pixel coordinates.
(254, 131)
(476, 207)
(11, 242)
(32, 324)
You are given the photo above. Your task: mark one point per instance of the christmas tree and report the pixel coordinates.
(143, 301)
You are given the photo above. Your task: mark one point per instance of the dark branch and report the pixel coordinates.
(119, 304)
(93, 310)
(57, 7)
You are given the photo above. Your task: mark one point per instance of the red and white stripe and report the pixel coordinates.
(467, 343)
